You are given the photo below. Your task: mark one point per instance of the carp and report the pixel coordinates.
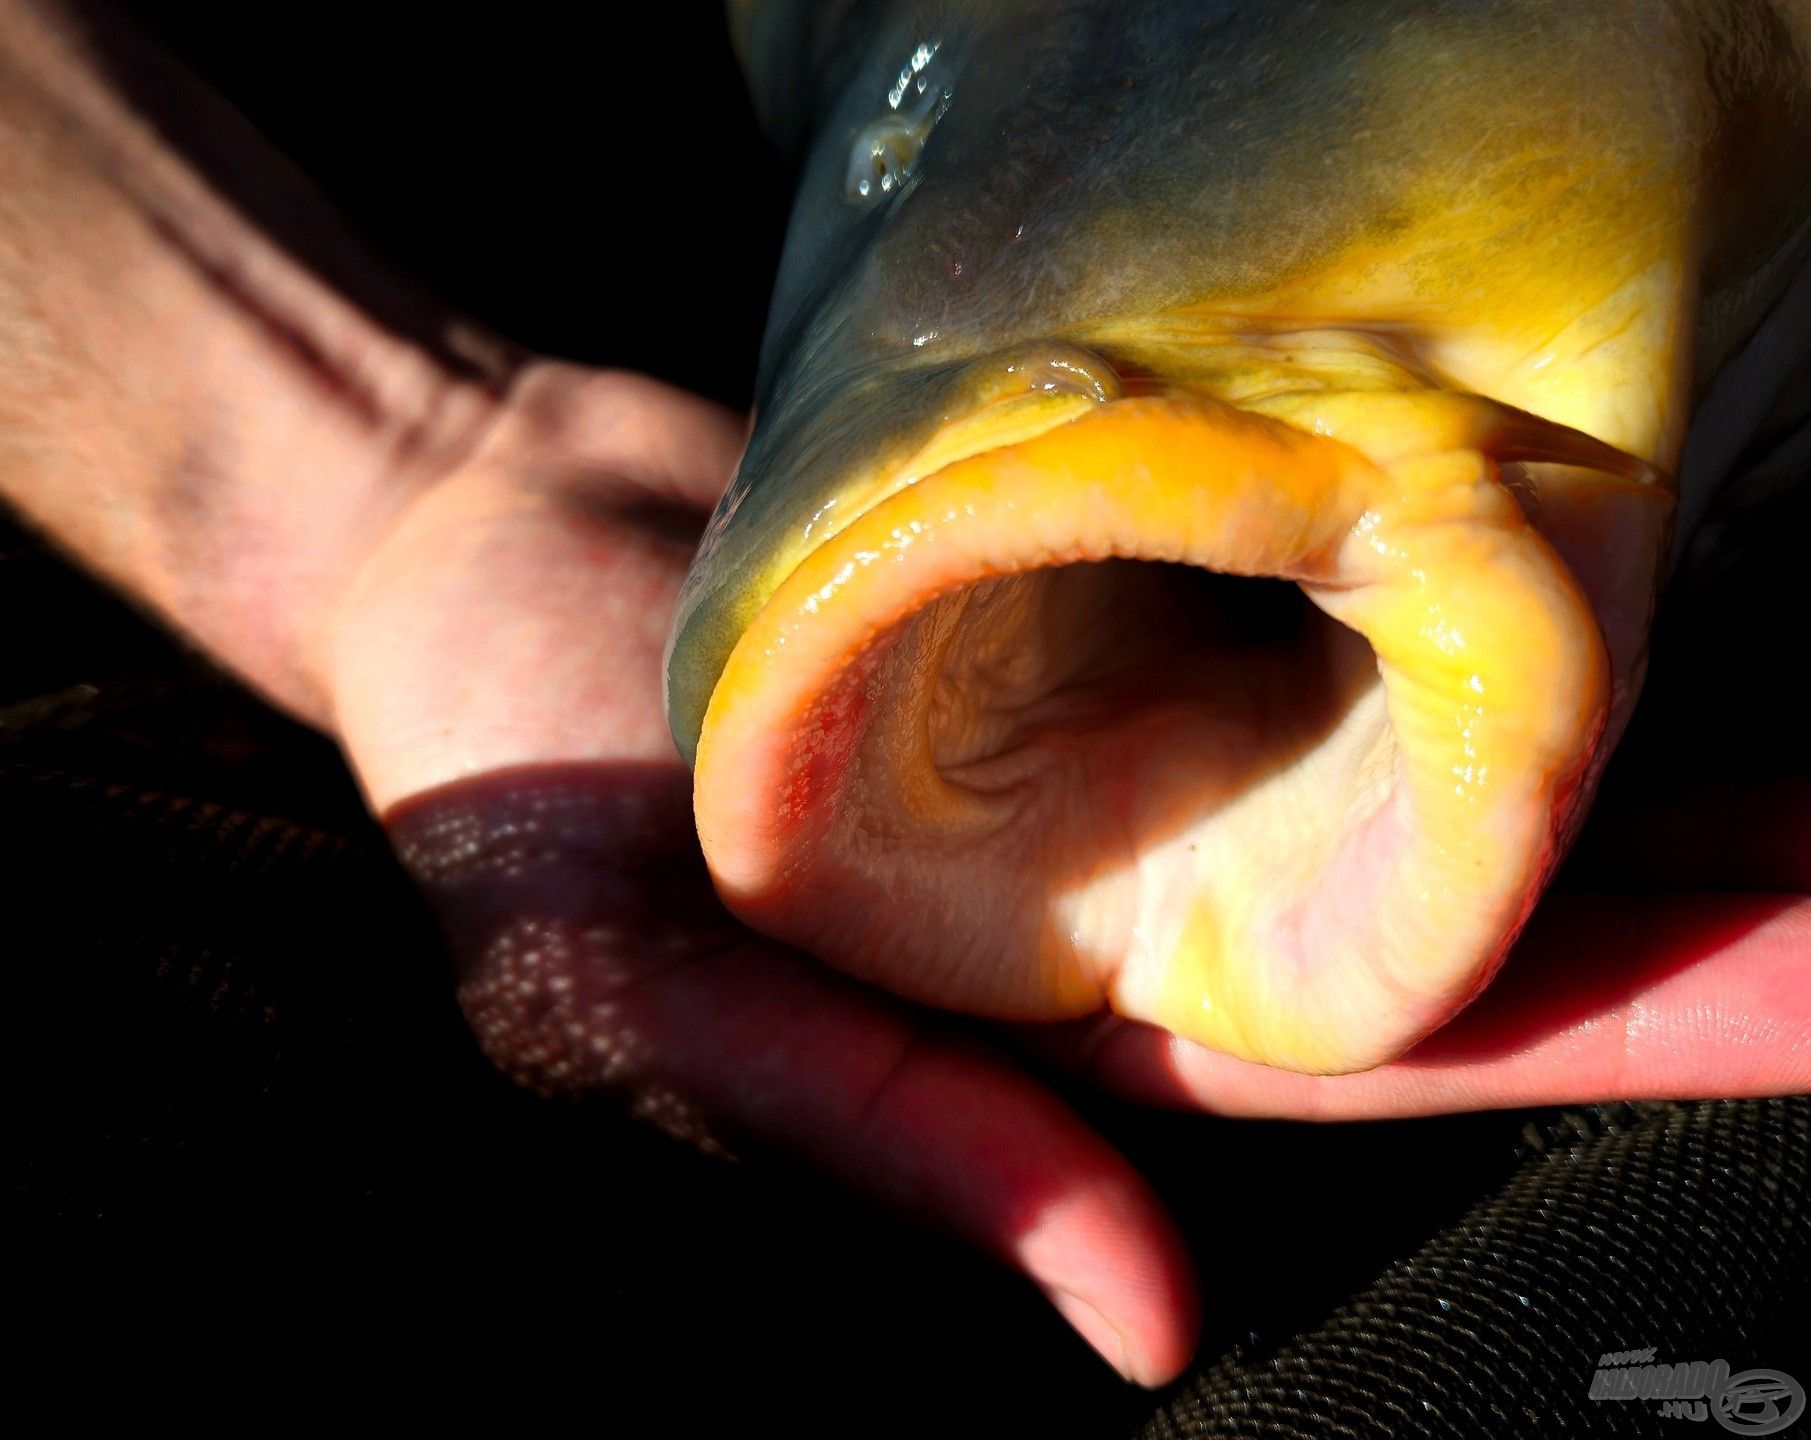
(1214, 467)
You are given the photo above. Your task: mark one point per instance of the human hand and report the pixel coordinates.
(494, 673)
(497, 683)
(461, 561)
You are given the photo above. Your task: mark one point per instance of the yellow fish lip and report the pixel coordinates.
(1494, 675)
(879, 445)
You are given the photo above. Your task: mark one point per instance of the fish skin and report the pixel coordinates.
(1588, 214)
(1242, 155)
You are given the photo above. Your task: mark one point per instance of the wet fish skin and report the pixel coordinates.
(1588, 214)
(1237, 151)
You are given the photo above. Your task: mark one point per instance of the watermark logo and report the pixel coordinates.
(1753, 1402)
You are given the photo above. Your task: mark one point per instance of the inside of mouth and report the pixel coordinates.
(1093, 763)
(1062, 666)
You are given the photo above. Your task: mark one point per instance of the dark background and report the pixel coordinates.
(245, 1089)
(588, 179)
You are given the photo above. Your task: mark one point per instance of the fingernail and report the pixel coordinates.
(1095, 1328)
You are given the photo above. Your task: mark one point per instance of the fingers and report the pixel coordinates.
(1606, 997)
(593, 957)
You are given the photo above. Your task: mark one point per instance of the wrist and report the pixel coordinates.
(218, 429)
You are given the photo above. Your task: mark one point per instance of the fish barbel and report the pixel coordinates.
(1215, 465)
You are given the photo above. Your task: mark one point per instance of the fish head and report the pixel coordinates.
(1213, 472)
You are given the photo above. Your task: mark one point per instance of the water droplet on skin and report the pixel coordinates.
(885, 154)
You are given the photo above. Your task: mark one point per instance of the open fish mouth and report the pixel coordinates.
(1213, 479)
(1264, 722)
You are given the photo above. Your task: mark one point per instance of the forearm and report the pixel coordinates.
(184, 405)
